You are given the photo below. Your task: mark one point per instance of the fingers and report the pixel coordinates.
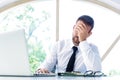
(82, 31)
(82, 28)
(42, 71)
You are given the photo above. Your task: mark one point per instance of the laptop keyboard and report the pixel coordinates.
(45, 75)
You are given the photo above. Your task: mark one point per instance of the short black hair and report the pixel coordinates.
(87, 20)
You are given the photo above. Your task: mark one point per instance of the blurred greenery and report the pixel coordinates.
(37, 53)
(114, 72)
(26, 19)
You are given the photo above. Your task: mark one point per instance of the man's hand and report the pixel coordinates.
(42, 71)
(83, 31)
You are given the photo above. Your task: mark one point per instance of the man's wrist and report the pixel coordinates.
(82, 40)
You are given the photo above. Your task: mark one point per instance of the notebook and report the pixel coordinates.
(14, 54)
(14, 60)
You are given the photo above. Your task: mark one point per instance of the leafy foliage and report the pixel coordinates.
(24, 17)
(37, 53)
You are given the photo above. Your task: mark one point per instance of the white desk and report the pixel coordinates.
(60, 78)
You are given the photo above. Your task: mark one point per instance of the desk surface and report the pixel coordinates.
(60, 78)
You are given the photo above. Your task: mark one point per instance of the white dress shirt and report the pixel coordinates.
(87, 57)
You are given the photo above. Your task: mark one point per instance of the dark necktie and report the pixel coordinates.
(71, 62)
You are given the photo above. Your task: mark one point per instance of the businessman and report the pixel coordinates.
(74, 54)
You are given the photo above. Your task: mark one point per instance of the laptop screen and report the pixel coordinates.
(13, 53)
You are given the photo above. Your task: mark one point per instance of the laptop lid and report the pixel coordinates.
(13, 53)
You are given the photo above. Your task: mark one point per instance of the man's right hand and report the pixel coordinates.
(40, 70)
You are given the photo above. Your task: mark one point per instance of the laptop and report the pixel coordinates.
(14, 60)
(13, 53)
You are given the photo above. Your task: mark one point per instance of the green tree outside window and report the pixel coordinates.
(37, 27)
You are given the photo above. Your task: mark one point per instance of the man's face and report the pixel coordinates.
(81, 26)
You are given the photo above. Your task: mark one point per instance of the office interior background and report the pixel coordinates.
(47, 21)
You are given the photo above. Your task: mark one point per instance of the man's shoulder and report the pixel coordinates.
(64, 41)
(89, 43)
(93, 45)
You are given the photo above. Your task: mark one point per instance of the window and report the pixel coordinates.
(38, 20)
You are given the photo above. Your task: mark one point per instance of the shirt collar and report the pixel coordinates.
(71, 45)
